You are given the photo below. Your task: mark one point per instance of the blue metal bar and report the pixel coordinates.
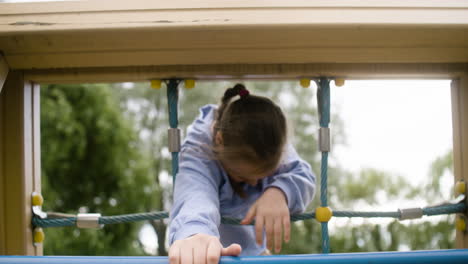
(452, 256)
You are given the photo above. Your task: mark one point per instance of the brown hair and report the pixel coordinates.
(253, 129)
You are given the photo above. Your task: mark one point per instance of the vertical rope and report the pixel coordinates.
(325, 238)
(323, 97)
(172, 101)
(324, 180)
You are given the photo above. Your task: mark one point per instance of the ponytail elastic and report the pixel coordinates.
(243, 93)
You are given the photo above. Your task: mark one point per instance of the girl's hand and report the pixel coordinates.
(272, 213)
(200, 249)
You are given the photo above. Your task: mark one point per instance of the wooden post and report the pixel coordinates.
(3, 71)
(19, 164)
(460, 139)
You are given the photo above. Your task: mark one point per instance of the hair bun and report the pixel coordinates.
(241, 90)
(239, 87)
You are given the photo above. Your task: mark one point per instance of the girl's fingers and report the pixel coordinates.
(232, 250)
(269, 228)
(286, 228)
(249, 216)
(199, 254)
(278, 226)
(174, 253)
(186, 254)
(213, 252)
(259, 229)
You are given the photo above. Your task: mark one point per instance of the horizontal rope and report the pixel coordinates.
(106, 220)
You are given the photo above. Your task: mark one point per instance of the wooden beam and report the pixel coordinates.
(20, 164)
(71, 15)
(3, 71)
(249, 71)
(245, 45)
(122, 5)
(238, 56)
(460, 140)
(74, 35)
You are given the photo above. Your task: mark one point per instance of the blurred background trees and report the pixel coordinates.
(104, 151)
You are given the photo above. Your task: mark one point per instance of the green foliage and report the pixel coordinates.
(366, 185)
(440, 166)
(305, 238)
(90, 163)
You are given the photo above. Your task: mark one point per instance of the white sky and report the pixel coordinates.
(395, 126)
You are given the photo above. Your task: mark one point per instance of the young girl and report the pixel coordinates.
(235, 162)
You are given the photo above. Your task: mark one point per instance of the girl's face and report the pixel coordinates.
(243, 172)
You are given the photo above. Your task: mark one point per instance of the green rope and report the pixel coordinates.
(172, 103)
(323, 102)
(105, 220)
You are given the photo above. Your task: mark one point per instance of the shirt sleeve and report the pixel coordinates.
(196, 192)
(295, 178)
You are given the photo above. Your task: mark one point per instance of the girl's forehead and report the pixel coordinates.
(250, 168)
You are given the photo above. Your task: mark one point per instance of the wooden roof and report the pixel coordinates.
(150, 36)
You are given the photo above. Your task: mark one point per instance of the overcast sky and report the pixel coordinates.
(398, 126)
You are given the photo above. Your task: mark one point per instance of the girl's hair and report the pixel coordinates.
(253, 129)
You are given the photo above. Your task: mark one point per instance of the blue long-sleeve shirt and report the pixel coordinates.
(203, 192)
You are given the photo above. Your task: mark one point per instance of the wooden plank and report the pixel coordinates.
(35, 152)
(249, 71)
(224, 18)
(119, 5)
(240, 56)
(18, 153)
(260, 32)
(460, 139)
(3, 71)
(2, 185)
(285, 37)
(235, 46)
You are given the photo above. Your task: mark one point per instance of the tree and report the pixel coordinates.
(91, 163)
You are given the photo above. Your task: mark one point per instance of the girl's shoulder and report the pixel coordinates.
(208, 112)
(199, 133)
(204, 120)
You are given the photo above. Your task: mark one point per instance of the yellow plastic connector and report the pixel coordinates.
(305, 83)
(460, 224)
(323, 214)
(460, 187)
(36, 199)
(156, 84)
(339, 82)
(189, 83)
(39, 235)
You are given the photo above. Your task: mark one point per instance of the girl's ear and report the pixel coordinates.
(219, 138)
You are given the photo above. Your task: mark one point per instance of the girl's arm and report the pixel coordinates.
(195, 217)
(289, 190)
(295, 178)
(196, 202)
